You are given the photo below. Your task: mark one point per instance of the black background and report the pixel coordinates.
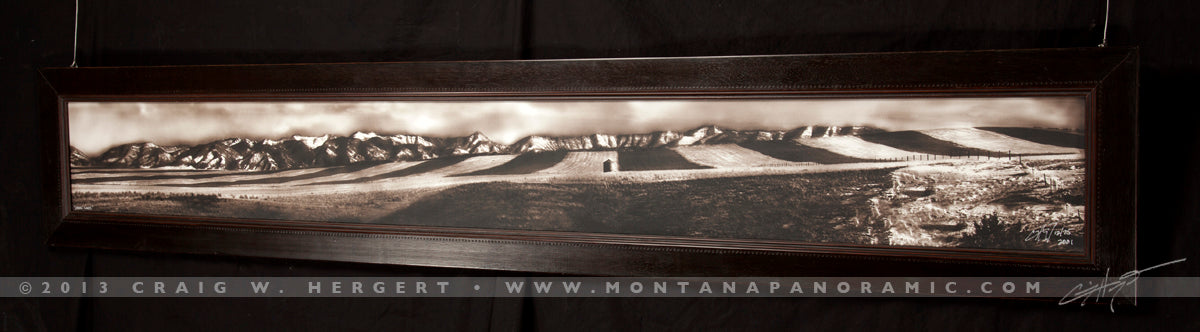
(38, 34)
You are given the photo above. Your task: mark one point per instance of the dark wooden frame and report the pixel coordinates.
(1106, 77)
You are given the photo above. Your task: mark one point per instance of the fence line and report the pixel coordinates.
(967, 155)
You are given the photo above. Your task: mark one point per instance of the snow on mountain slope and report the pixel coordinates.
(312, 142)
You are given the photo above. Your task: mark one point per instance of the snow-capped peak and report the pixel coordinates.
(832, 131)
(409, 139)
(709, 130)
(478, 137)
(364, 136)
(699, 134)
(807, 132)
(311, 141)
(534, 143)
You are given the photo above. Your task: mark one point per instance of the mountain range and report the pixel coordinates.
(330, 150)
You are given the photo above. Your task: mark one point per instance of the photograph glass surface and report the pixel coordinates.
(991, 173)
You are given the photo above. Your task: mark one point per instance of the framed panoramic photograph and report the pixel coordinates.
(934, 163)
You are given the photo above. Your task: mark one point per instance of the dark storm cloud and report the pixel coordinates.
(98, 126)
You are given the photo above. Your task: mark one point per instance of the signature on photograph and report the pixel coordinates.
(1108, 288)
(1051, 233)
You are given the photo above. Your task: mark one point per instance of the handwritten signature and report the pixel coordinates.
(1046, 232)
(1109, 288)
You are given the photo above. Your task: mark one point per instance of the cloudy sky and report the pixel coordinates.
(97, 126)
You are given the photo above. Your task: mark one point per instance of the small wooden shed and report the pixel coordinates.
(610, 166)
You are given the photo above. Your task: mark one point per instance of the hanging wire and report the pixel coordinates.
(75, 40)
(1104, 37)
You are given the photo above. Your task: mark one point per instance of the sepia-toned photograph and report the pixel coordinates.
(991, 173)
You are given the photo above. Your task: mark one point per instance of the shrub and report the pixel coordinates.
(991, 232)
